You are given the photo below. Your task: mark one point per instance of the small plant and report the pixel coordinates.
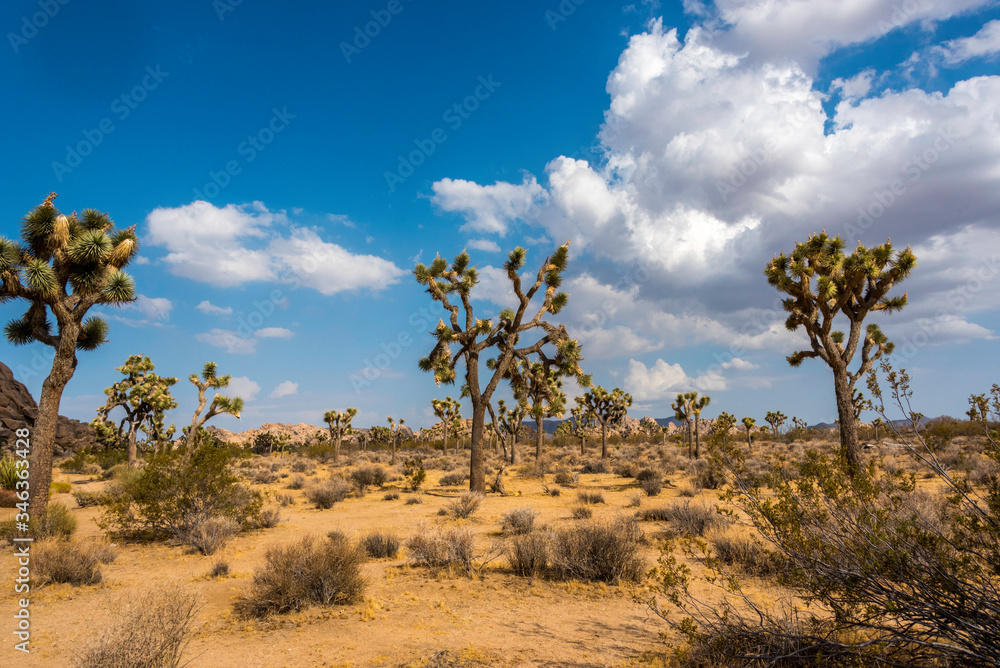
(308, 572)
(527, 554)
(413, 471)
(590, 497)
(466, 505)
(453, 479)
(285, 500)
(454, 548)
(328, 492)
(414, 500)
(595, 466)
(744, 553)
(220, 569)
(381, 545)
(210, 534)
(58, 522)
(652, 486)
(390, 496)
(551, 491)
(562, 478)
(600, 552)
(685, 518)
(634, 501)
(297, 481)
(368, 476)
(268, 519)
(582, 513)
(150, 629)
(77, 563)
(86, 499)
(647, 474)
(8, 473)
(60, 488)
(518, 521)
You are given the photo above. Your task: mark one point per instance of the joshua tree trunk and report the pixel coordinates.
(604, 440)
(395, 437)
(445, 424)
(538, 440)
(133, 454)
(583, 444)
(336, 448)
(848, 425)
(749, 440)
(43, 436)
(513, 448)
(697, 438)
(477, 462)
(690, 440)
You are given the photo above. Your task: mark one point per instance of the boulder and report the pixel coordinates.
(18, 410)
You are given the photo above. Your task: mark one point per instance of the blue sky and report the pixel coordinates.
(286, 171)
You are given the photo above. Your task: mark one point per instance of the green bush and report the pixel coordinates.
(176, 491)
(309, 572)
(8, 473)
(60, 488)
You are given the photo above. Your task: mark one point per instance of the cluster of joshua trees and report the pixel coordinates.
(64, 265)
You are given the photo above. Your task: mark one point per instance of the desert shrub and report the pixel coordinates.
(380, 545)
(984, 472)
(706, 476)
(302, 466)
(390, 496)
(465, 505)
(86, 499)
(321, 452)
(527, 554)
(581, 513)
(634, 501)
(652, 486)
(267, 519)
(285, 499)
(518, 521)
(328, 492)
(626, 468)
(685, 518)
(58, 522)
(453, 479)
(742, 552)
(177, 490)
(149, 630)
(297, 481)
(454, 548)
(687, 491)
(298, 575)
(414, 500)
(60, 488)
(562, 478)
(551, 491)
(594, 466)
(533, 469)
(414, 473)
(604, 552)
(264, 477)
(220, 569)
(210, 534)
(8, 472)
(367, 476)
(77, 563)
(590, 497)
(647, 474)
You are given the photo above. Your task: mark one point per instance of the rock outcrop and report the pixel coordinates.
(18, 410)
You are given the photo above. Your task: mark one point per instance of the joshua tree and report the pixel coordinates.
(446, 410)
(580, 421)
(853, 286)
(749, 423)
(775, 419)
(697, 405)
(537, 386)
(145, 397)
(607, 408)
(508, 423)
(394, 428)
(799, 428)
(379, 434)
(65, 266)
(339, 425)
(876, 423)
(683, 411)
(474, 337)
(723, 424)
(859, 404)
(220, 404)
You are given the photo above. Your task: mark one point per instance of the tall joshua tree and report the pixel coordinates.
(683, 411)
(339, 425)
(540, 388)
(698, 404)
(723, 425)
(608, 409)
(210, 380)
(144, 397)
(580, 421)
(749, 423)
(446, 410)
(474, 337)
(775, 419)
(394, 428)
(823, 283)
(65, 265)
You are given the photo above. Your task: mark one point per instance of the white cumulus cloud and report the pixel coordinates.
(285, 389)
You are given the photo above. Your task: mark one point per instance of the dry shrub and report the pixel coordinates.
(685, 518)
(454, 548)
(220, 569)
(634, 501)
(367, 476)
(604, 552)
(594, 466)
(302, 466)
(590, 497)
(582, 513)
(211, 534)
(77, 563)
(518, 521)
(466, 505)
(741, 551)
(562, 478)
(298, 481)
(328, 492)
(652, 486)
(705, 476)
(148, 630)
(268, 518)
(86, 499)
(413, 501)
(626, 468)
(285, 499)
(381, 545)
(527, 554)
(298, 575)
(453, 479)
